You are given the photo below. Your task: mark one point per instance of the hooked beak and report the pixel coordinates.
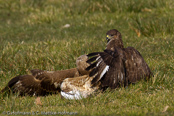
(108, 38)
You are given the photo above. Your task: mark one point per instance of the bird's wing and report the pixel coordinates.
(25, 85)
(49, 80)
(38, 74)
(136, 67)
(107, 67)
(40, 82)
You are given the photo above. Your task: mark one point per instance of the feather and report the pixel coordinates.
(93, 72)
(92, 59)
(104, 71)
(118, 66)
(91, 66)
(100, 75)
(41, 82)
(93, 54)
(71, 95)
(78, 87)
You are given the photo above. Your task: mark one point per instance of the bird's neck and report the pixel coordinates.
(116, 43)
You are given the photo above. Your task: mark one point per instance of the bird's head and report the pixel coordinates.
(114, 39)
(113, 34)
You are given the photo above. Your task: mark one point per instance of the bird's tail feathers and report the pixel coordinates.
(10, 84)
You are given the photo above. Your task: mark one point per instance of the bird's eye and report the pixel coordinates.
(112, 35)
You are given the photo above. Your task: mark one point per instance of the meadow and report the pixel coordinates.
(51, 34)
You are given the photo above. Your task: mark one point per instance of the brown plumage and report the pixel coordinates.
(78, 87)
(117, 66)
(42, 82)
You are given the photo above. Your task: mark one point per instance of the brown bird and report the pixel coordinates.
(116, 66)
(42, 82)
(78, 87)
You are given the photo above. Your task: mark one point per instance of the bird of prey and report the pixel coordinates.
(117, 66)
(41, 82)
(78, 87)
(114, 67)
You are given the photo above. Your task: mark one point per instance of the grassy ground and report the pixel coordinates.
(33, 35)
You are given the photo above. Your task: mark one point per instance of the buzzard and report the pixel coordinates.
(41, 82)
(117, 66)
(114, 67)
(78, 87)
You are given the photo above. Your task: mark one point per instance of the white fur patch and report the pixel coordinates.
(71, 95)
(104, 71)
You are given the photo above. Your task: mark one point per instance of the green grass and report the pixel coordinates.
(32, 35)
